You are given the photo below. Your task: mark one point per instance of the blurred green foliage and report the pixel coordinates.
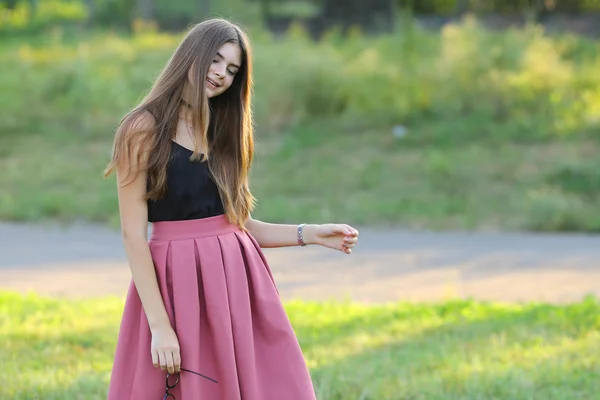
(27, 16)
(520, 85)
(18, 16)
(502, 127)
(452, 7)
(33, 16)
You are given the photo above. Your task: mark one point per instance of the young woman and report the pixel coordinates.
(203, 311)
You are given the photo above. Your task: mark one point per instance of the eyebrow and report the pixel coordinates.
(233, 65)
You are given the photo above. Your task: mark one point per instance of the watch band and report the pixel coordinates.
(301, 235)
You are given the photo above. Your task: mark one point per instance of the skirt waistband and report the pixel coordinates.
(193, 228)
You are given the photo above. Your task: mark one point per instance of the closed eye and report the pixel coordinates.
(219, 55)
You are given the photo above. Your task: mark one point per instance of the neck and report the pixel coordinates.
(185, 112)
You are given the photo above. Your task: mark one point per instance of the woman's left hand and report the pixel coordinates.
(336, 236)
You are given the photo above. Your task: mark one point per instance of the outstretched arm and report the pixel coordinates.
(335, 236)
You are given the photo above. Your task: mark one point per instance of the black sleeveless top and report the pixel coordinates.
(191, 192)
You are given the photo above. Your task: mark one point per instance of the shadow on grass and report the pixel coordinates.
(456, 350)
(528, 352)
(446, 317)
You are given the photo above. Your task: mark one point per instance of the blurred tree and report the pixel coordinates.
(89, 5)
(179, 14)
(373, 15)
(266, 9)
(145, 9)
(115, 13)
(443, 7)
(205, 8)
(459, 7)
(10, 4)
(568, 6)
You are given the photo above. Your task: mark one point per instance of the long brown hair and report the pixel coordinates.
(225, 121)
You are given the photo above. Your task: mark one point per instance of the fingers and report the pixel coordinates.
(348, 244)
(345, 230)
(162, 357)
(165, 350)
(177, 361)
(350, 230)
(170, 363)
(350, 240)
(155, 359)
(335, 232)
(166, 362)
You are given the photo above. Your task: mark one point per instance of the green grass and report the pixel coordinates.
(57, 349)
(503, 127)
(364, 178)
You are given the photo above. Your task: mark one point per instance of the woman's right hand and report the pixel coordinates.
(165, 349)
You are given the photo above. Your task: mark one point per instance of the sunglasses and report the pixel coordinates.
(169, 385)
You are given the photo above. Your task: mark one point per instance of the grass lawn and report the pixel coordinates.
(362, 178)
(56, 349)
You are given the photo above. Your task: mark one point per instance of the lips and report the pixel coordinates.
(212, 83)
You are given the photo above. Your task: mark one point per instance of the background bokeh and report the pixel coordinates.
(436, 118)
(391, 115)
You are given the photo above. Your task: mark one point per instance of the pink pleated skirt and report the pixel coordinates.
(224, 306)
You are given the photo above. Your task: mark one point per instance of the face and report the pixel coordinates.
(224, 67)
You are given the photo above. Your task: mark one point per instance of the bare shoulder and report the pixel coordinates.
(135, 136)
(133, 143)
(138, 124)
(142, 120)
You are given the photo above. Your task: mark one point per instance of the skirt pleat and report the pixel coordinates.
(223, 304)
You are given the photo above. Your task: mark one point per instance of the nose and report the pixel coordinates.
(220, 71)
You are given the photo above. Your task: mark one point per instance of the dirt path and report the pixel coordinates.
(84, 261)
